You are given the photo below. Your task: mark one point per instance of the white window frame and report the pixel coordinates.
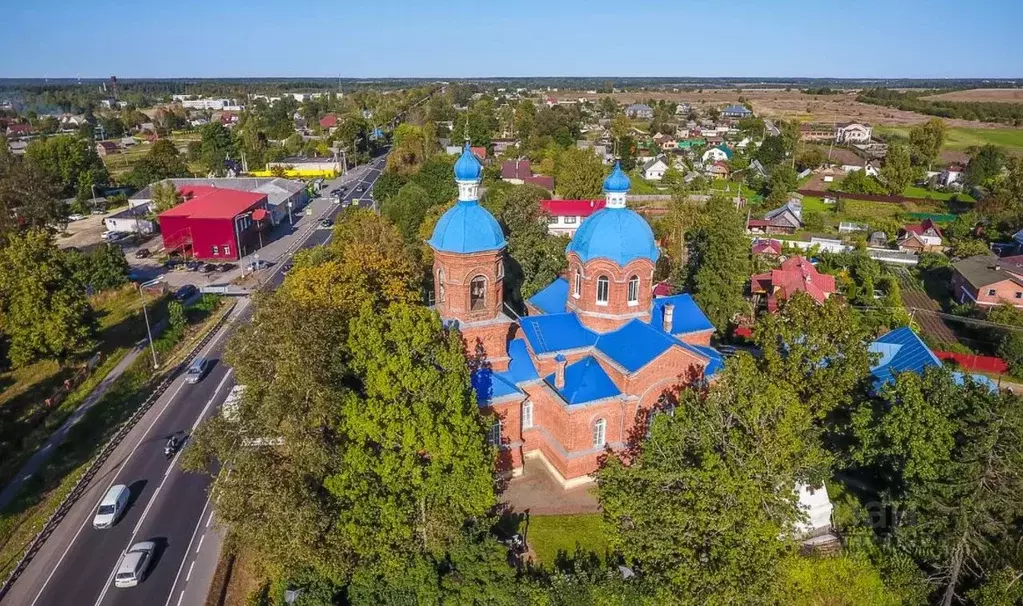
(494, 434)
(991, 292)
(633, 291)
(216, 250)
(577, 286)
(440, 285)
(227, 250)
(527, 414)
(599, 433)
(607, 290)
(571, 220)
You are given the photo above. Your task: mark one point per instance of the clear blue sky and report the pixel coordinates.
(456, 38)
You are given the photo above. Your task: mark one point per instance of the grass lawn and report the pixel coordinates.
(813, 204)
(920, 192)
(960, 138)
(549, 535)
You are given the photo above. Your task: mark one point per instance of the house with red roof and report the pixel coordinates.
(767, 248)
(328, 121)
(19, 130)
(519, 172)
(567, 215)
(795, 274)
(214, 223)
(920, 237)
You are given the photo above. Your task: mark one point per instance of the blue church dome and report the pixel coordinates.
(467, 167)
(617, 234)
(617, 181)
(467, 227)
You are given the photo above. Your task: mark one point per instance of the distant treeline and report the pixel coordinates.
(1005, 113)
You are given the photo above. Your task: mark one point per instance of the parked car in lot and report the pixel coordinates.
(197, 370)
(114, 502)
(99, 211)
(134, 564)
(142, 253)
(222, 267)
(185, 292)
(207, 268)
(75, 217)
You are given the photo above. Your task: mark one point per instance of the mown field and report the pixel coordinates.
(961, 138)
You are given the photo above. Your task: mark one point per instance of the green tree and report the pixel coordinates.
(162, 161)
(781, 182)
(926, 141)
(818, 350)
(411, 146)
(719, 263)
(950, 455)
(70, 162)
(102, 268)
(580, 174)
(535, 258)
(897, 172)
(859, 182)
(407, 209)
(703, 504)
(772, 151)
(43, 310)
(29, 199)
(165, 196)
(840, 580)
(985, 164)
(217, 144)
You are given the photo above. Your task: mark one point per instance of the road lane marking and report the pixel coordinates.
(178, 575)
(209, 520)
(152, 500)
(121, 466)
(199, 546)
(181, 597)
(188, 576)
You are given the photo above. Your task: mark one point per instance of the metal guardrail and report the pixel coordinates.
(82, 484)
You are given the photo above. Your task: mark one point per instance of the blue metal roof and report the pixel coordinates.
(490, 386)
(556, 332)
(585, 381)
(903, 351)
(617, 181)
(552, 299)
(617, 234)
(687, 317)
(716, 361)
(634, 345)
(521, 366)
(468, 167)
(467, 227)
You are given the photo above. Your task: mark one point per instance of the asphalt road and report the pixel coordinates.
(167, 505)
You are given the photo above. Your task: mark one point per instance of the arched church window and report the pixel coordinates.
(599, 433)
(634, 290)
(603, 287)
(577, 284)
(478, 293)
(440, 285)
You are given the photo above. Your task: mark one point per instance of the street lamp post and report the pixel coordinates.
(291, 215)
(149, 331)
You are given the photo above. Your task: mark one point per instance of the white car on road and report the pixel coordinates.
(134, 564)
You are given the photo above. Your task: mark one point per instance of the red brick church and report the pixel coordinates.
(567, 380)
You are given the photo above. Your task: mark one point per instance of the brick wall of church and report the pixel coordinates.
(604, 317)
(452, 294)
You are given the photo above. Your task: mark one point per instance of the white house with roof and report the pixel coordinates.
(654, 169)
(853, 132)
(718, 153)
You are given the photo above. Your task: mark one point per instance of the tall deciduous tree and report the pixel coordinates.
(69, 161)
(165, 196)
(580, 174)
(817, 350)
(407, 209)
(951, 455)
(719, 262)
(897, 172)
(28, 198)
(703, 504)
(217, 144)
(162, 161)
(43, 310)
(925, 142)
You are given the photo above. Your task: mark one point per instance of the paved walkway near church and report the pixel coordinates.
(43, 455)
(538, 493)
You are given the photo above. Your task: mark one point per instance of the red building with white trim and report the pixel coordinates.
(214, 224)
(568, 215)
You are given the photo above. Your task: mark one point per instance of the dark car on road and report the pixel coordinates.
(185, 293)
(142, 253)
(360, 187)
(326, 224)
(207, 268)
(287, 267)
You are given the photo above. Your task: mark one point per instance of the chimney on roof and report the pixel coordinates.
(559, 372)
(669, 317)
(807, 278)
